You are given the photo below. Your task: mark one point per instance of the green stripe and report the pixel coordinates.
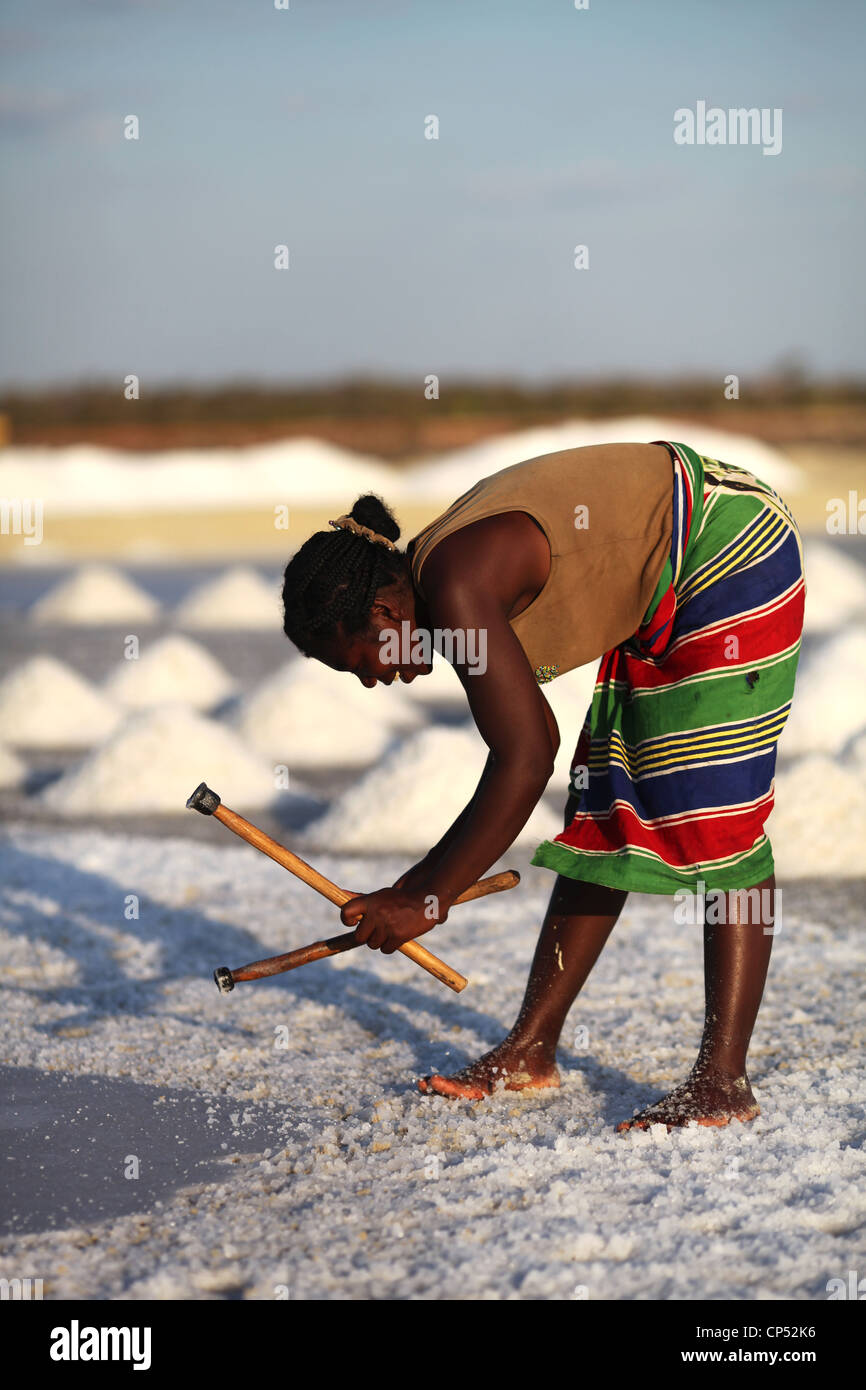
(724, 699)
(763, 663)
(696, 703)
(638, 872)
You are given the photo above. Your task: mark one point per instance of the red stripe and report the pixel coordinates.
(761, 634)
(687, 842)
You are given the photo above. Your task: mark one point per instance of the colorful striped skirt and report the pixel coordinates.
(673, 771)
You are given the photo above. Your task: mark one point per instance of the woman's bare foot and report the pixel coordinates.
(511, 1067)
(710, 1099)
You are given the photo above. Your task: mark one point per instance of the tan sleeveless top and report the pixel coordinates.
(607, 514)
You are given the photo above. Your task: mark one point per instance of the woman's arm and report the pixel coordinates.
(515, 722)
(473, 582)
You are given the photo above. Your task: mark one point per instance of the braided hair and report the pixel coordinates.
(335, 576)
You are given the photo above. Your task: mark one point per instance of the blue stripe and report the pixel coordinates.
(670, 793)
(743, 590)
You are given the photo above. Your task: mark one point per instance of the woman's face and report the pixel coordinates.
(367, 655)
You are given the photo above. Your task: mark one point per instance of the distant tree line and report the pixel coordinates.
(360, 398)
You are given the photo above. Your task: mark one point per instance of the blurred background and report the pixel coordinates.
(258, 261)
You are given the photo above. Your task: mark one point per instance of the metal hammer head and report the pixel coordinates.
(223, 979)
(203, 799)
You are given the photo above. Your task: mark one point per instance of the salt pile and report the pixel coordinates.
(311, 717)
(173, 669)
(239, 598)
(155, 760)
(391, 705)
(45, 704)
(407, 803)
(835, 586)
(96, 594)
(818, 824)
(12, 769)
(85, 479)
(448, 475)
(828, 706)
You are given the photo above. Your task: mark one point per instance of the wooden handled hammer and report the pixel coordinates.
(207, 802)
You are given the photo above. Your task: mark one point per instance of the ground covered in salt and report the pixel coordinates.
(280, 1144)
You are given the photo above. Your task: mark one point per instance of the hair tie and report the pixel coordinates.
(348, 523)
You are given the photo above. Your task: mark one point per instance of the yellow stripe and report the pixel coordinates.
(616, 752)
(751, 544)
(749, 539)
(732, 755)
(695, 747)
(736, 564)
(706, 736)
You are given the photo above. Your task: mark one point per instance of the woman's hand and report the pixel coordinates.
(391, 917)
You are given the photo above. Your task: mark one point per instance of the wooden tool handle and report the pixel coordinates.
(434, 966)
(277, 965)
(496, 883)
(278, 852)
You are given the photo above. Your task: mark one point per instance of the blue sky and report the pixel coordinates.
(414, 256)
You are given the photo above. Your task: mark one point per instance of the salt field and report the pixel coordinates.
(12, 769)
(828, 709)
(818, 822)
(283, 1141)
(287, 290)
(88, 479)
(88, 491)
(280, 710)
(836, 590)
(461, 468)
(290, 1107)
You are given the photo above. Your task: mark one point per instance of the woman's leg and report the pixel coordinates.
(736, 956)
(579, 919)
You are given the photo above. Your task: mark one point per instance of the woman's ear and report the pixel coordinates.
(386, 612)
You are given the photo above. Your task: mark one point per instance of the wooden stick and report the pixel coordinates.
(277, 965)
